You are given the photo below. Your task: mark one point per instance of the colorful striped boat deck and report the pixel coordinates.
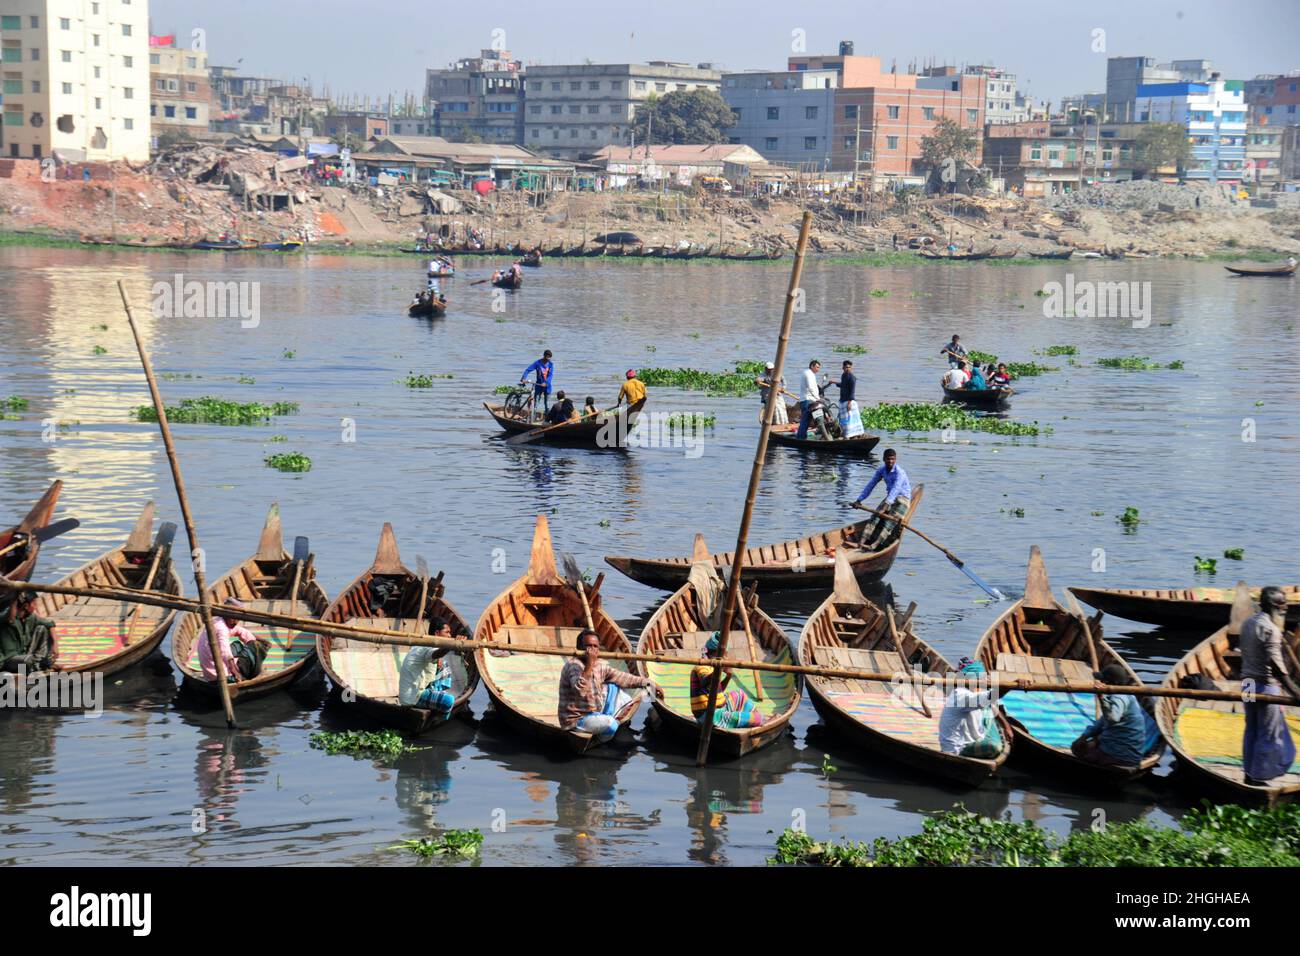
(374, 670)
(1212, 736)
(92, 629)
(530, 683)
(287, 647)
(675, 679)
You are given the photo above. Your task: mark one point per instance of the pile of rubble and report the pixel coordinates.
(1145, 195)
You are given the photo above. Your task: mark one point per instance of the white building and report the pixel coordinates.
(1214, 114)
(76, 79)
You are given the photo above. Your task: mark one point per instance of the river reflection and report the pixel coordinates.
(333, 337)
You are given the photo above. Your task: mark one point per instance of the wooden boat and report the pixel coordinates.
(284, 245)
(794, 564)
(532, 260)
(1011, 254)
(541, 609)
(1037, 639)
(18, 564)
(857, 445)
(427, 306)
(1062, 254)
(271, 581)
(597, 250)
(579, 250)
(609, 429)
(556, 250)
(1205, 736)
(505, 279)
(979, 397)
(955, 256)
(103, 636)
(848, 631)
(1198, 609)
(367, 675)
(1270, 269)
(682, 626)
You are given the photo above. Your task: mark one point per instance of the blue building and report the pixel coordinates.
(1214, 115)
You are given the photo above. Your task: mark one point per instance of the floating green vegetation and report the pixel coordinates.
(289, 461)
(99, 350)
(288, 354)
(278, 438)
(1206, 565)
(414, 380)
(9, 417)
(984, 358)
(16, 403)
(925, 416)
(177, 376)
(1235, 554)
(878, 293)
(744, 367)
(464, 844)
(851, 349)
(1225, 835)
(1136, 363)
(247, 380)
(210, 410)
(691, 420)
(1029, 369)
(1129, 519)
(737, 383)
(828, 768)
(362, 742)
(1060, 350)
(101, 327)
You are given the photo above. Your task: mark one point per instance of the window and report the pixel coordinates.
(574, 110)
(153, 109)
(555, 133)
(34, 23)
(99, 104)
(615, 108)
(555, 87)
(64, 123)
(575, 84)
(810, 142)
(593, 132)
(851, 111)
(1036, 152)
(128, 123)
(593, 85)
(892, 112)
(191, 63)
(989, 106)
(573, 133)
(155, 59)
(96, 72)
(128, 93)
(64, 23)
(681, 87)
(735, 113)
(172, 86)
(128, 61)
(891, 142)
(973, 116)
(36, 86)
(616, 85)
(169, 111)
(94, 8)
(11, 23)
(191, 87)
(95, 38)
(640, 86)
(36, 54)
(927, 112)
(536, 132)
(773, 112)
(535, 110)
(160, 84)
(126, 29)
(769, 142)
(67, 89)
(593, 108)
(557, 110)
(810, 112)
(850, 142)
(191, 113)
(14, 86)
(660, 87)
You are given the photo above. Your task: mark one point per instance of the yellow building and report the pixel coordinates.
(76, 79)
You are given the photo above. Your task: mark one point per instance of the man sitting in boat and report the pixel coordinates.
(1118, 737)
(966, 724)
(850, 418)
(425, 678)
(561, 411)
(733, 710)
(1001, 378)
(591, 692)
(544, 371)
(977, 382)
(954, 350)
(1267, 750)
(240, 651)
(26, 641)
(633, 389)
(898, 495)
(956, 377)
(589, 409)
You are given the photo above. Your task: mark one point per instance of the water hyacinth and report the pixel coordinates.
(691, 420)
(210, 410)
(289, 461)
(929, 416)
(735, 384)
(361, 742)
(1136, 363)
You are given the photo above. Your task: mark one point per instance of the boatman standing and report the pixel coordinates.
(954, 350)
(850, 419)
(779, 416)
(544, 371)
(633, 389)
(898, 495)
(809, 395)
(1267, 748)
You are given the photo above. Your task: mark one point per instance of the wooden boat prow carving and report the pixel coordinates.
(540, 608)
(18, 564)
(1036, 639)
(1196, 730)
(367, 675)
(848, 630)
(679, 628)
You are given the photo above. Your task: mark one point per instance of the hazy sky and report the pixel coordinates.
(384, 47)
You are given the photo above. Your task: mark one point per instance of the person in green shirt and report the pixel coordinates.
(26, 641)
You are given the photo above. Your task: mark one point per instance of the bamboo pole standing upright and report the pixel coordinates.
(756, 472)
(205, 603)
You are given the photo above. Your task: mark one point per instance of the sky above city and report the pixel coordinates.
(1055, 48)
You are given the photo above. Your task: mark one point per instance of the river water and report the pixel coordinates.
(126, 787)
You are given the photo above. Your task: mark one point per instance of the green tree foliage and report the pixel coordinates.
(684, 116)
(1162, 144)
(949, 142)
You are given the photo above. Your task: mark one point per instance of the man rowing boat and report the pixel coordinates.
(898, 496)
(633, 389)
(954, 350)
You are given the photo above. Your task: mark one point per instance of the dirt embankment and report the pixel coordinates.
(194, 193)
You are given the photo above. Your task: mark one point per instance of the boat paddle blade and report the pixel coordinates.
(421, 566)
(301, 549)
(572, 573)
(55, 529)
(988, 589)
(166, 535)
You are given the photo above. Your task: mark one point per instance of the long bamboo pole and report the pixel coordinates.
(205, 605)
(755, 474)
(392, 637)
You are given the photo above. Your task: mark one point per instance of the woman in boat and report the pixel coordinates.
(241, 652)
(977, 379)
(425, 679)
(733, 709)
(589, 409)
(592, 693)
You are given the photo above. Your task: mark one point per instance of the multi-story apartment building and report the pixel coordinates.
(181, 96)
(1126, 74)
(76, 78)
(482, 96)
(576, 110)
(1272, 104)
(787, 115)
(1036, 158)
(1214, 114)
(1003, 102)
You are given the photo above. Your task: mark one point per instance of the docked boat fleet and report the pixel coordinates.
(893, 715)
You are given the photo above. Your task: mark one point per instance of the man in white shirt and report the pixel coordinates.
(956, 377)
(809, 396)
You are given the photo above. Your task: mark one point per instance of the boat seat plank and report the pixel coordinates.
(522, 636)
(102, 609)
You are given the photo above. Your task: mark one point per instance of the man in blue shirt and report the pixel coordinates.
(545, 375)
(1118, 737)
(850, 419)
(897, 500)
(955, 351)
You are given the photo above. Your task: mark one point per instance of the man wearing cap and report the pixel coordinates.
(1267, 747)
(26, 641)
(779, 417)
(966, 724)
(633, 389)
(1118, 737)
(240, 651)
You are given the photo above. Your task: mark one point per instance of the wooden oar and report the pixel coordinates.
(957, 562)
(1073, 603)
(41, 535)
(162, 545)
(761, 384)
(573, 575)
(525, 437)
(753, 651)
(902, 653)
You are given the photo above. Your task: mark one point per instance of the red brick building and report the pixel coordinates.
(893, 121)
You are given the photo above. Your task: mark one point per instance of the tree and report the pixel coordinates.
(1162, 144)
(948, 146)
(467, 135)
(694, 116)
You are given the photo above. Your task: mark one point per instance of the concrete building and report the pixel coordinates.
(787, 115)
(679, 165)
(1289, 167)
(1126, 74)
(1003, 102)
(576, 110)
(1037, 158)
(355, 128)
(1214, 114)
(435, 160)
(482, 96)
(1272, 104)
(76, 79)
(181, 98)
